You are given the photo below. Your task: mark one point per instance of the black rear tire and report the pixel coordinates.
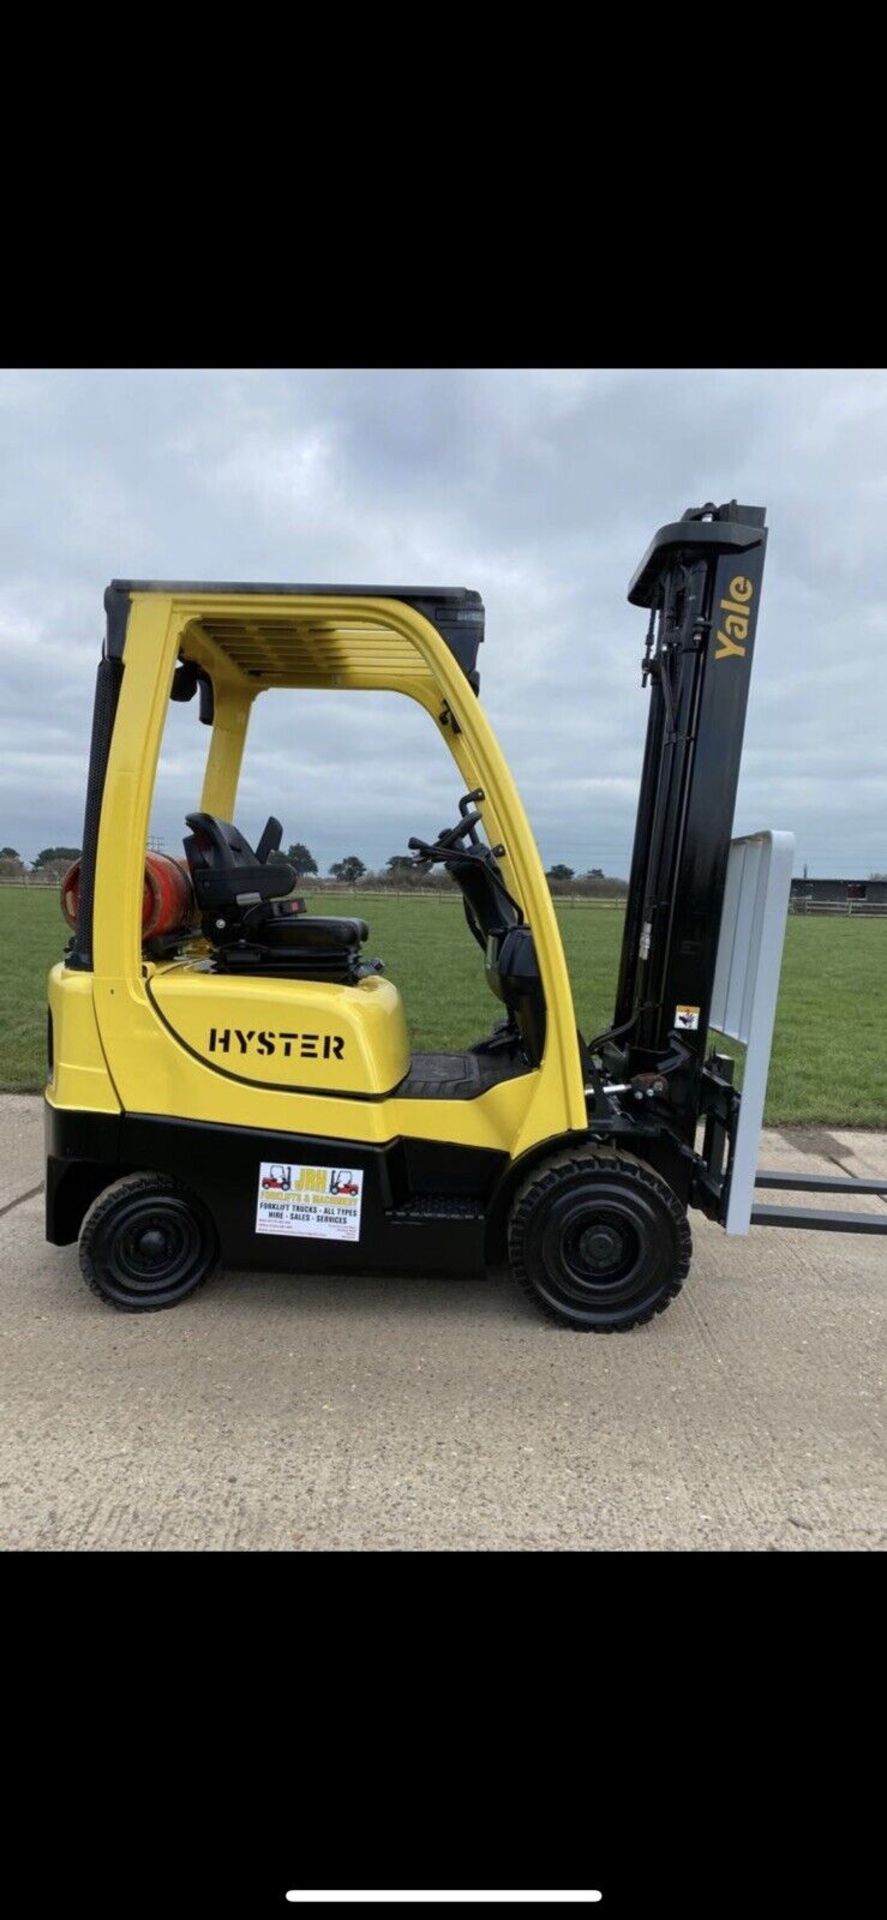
(598, 1241)
(147, 1243)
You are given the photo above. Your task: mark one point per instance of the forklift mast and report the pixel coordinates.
(701, 580)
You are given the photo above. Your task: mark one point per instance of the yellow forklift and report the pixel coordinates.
(231, 1079)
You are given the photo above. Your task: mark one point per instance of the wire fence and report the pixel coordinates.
(852, 909)
(450, 896)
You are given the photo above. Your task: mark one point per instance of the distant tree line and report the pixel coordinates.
(51, 862)
(400, 870)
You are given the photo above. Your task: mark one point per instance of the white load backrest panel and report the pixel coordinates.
(746, 984)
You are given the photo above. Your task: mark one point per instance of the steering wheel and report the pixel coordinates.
(449, 840)
(475, 869)
(455, 841)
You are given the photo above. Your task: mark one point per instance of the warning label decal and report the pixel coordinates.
(314, 1203)
(687, 1017)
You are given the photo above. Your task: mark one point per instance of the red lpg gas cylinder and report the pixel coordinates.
(167, 900)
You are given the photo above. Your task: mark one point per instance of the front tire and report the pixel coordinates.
(598, 1241)
(147, 1243)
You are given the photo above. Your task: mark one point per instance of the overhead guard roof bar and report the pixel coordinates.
(244, 632)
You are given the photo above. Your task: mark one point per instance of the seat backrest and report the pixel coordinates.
(224, 867)
(219, 843)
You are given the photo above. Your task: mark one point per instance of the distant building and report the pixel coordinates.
(874, 892)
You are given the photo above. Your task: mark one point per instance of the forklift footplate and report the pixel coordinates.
(456, 1076)
(439, 1206)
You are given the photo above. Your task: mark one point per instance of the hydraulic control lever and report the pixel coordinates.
(466, 803)
(447, 840)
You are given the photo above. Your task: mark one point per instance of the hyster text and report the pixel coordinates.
(301, 1046)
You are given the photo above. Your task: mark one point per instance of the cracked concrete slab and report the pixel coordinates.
(307, 1414)
(864, 1153)
(21, 1146)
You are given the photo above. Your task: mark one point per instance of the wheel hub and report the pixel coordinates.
(601, 1247)
(152, 1245)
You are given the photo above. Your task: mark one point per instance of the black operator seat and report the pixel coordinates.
(246, 916)
(223, 865)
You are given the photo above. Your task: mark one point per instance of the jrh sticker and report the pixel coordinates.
(313, 1203)
(687, 1017)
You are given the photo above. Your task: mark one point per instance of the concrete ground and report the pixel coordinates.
(318, 1413)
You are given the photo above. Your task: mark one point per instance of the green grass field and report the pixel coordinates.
(829, 1064)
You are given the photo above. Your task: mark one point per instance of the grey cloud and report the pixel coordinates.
(541, 488)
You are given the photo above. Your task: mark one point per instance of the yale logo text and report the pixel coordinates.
(300, 1046)
(733, 633)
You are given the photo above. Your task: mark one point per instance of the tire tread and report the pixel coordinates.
(130, 1183)
(546, 1178)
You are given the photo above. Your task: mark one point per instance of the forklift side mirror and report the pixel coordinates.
(185, 682)
(207, 705)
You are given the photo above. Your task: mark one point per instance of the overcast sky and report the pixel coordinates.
(539, 488)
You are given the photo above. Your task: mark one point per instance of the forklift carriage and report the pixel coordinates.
(232, 1079)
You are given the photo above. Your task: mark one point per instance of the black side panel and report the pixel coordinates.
(423, 1208)
(107, 694)
(82, 1157)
